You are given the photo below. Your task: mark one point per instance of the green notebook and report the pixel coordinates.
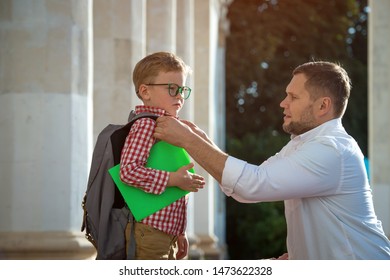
(163, 156)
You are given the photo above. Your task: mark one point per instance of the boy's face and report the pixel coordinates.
(158, 95)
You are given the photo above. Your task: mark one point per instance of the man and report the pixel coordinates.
(320, 173)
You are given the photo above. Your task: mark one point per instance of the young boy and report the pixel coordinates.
(159, 81)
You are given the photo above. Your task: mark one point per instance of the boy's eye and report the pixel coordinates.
(172, 89)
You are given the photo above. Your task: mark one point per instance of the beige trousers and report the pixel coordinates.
(151, 243)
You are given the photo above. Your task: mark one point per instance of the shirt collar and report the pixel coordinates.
(318, 130)
(149, 109)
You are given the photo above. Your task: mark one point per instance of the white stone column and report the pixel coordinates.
(137, 40)
(45, 95)
(379, 104)
(114, 48)
(160, 25)
(206, 20)
(184, 47)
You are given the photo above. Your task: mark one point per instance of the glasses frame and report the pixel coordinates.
(179, 90)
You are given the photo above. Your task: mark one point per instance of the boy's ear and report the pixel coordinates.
(143, 92)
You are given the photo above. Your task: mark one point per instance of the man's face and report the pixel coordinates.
(299, 115)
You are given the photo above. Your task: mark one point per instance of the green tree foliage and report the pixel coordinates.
(267, 40)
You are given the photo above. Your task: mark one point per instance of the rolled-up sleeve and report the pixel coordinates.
(232, 172)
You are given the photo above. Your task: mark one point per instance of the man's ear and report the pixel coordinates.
(325, 105)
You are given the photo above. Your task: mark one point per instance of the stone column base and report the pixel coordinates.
(45, 246)
(206, 247)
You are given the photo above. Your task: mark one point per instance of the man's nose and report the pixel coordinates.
(283, 103)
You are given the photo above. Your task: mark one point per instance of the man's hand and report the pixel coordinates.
(186, 135)
(282, 257)
(171, 130)
(197, 130)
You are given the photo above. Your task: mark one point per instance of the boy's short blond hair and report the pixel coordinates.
(148, 68)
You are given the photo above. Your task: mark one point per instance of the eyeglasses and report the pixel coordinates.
(174, 89)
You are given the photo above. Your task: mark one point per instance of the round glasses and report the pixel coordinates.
(174, 89)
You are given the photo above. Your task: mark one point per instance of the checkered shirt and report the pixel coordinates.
(172, 218)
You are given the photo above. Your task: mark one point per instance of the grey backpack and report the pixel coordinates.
(106, 214)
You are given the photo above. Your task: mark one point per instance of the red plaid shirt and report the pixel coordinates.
(173, 218)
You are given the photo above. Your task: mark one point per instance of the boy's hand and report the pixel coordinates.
(186, 180)
(182, 245)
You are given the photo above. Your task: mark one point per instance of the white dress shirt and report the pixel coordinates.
(322, 178)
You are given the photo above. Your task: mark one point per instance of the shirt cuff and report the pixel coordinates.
(231, 174)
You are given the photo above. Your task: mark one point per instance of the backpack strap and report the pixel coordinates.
(131, 244)
(131, 116)
(118, 137)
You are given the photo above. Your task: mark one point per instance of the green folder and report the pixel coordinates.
(163, 156)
